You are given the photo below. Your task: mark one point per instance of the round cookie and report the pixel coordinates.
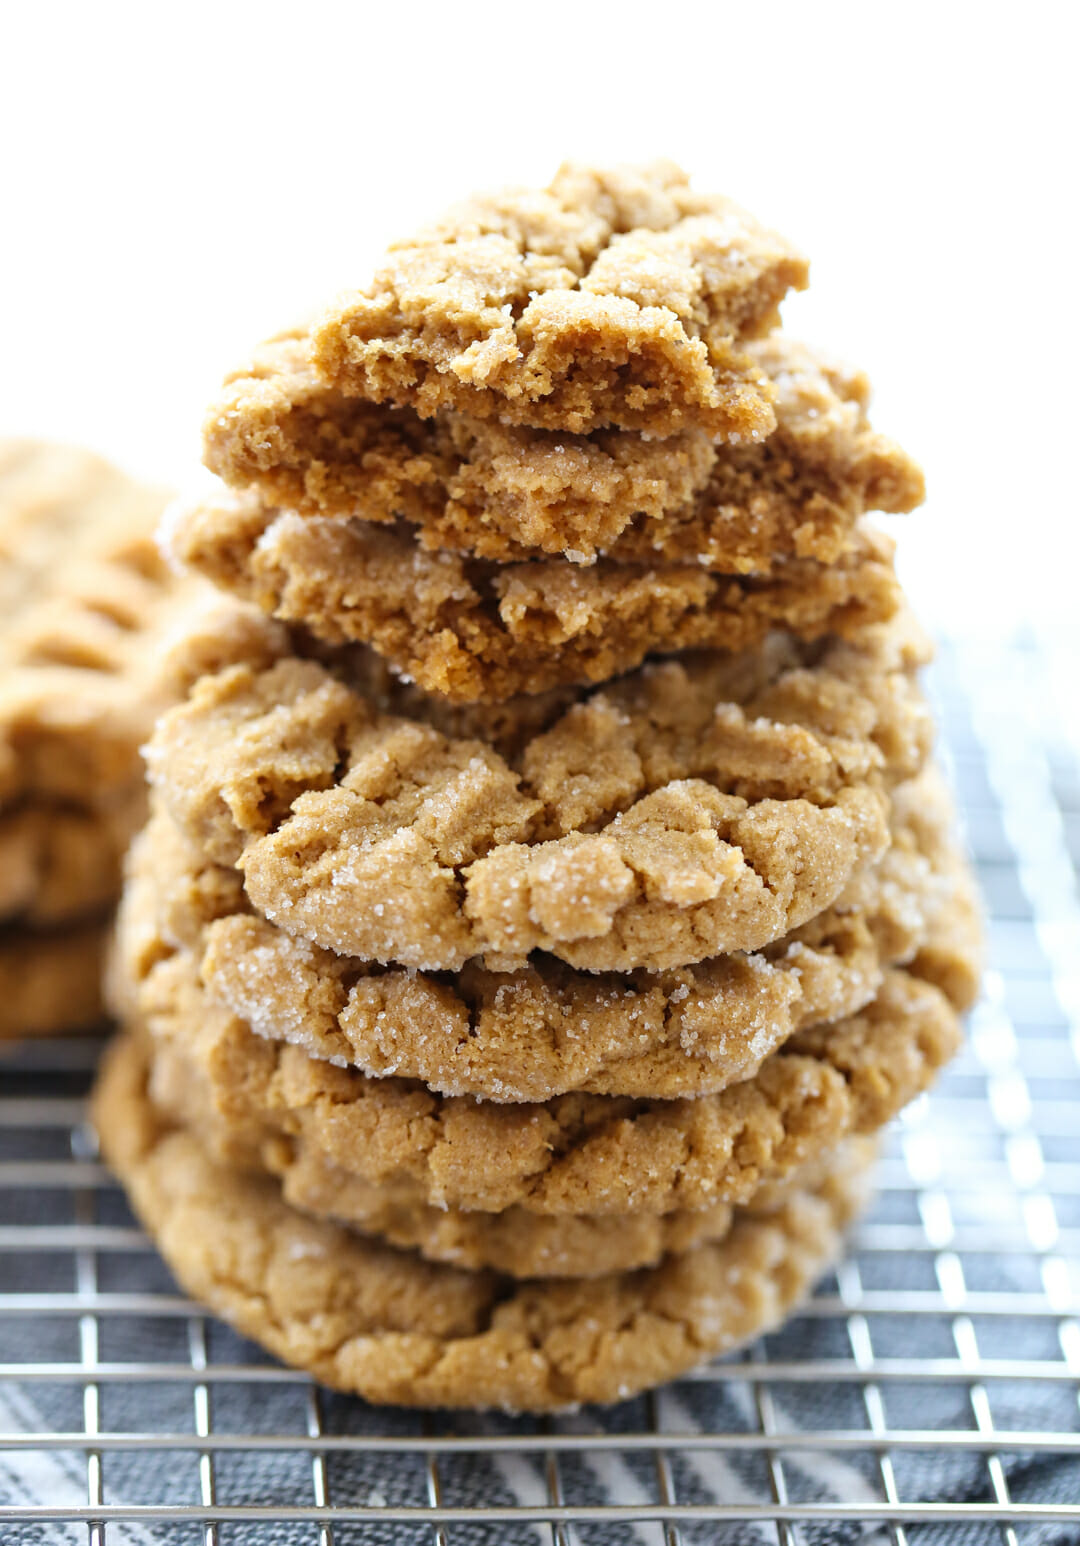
(395, 1329)
(473, 629)
(507, 492)
(545, 1029)
(692, 808)
(516, 1036)
(517, 1243)
(52, 983)
(576, 1154)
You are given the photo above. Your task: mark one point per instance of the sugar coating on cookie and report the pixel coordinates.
(509, 492)
(389, 1326)
(545, 1029)
(610, 297)
(492, 1036)
(577, 1153)
(692, 808)
(474, 630)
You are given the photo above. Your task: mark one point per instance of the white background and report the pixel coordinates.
(180, 182)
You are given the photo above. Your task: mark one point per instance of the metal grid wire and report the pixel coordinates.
(927, 1394)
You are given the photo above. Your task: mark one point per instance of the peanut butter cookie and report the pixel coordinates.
(59, 864)
(83, 591)
(515, 1242)
(692, 808)
(52, 982)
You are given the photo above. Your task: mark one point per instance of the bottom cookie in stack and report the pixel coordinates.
(389, 1325)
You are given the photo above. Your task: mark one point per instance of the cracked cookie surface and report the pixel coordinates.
(692, 808)
(546, 1029)
(475, 630)
(508, 493)
(576, 1154)
(610, 297)
(389, 1326)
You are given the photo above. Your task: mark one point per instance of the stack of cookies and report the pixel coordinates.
(85, 596)
(544, 908)
(98, 637)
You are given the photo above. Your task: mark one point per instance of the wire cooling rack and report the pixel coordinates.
(928, 1394)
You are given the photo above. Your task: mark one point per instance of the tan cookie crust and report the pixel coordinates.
(96, 637)
(476, 630)
(514, 1242)
(693, 808)
(393, 1328)
(88, 607)
(609, 297)
(51, 983)
(63, 511)
(545, 1029)
(98, 634)
(506, 492)
(577, 1154)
